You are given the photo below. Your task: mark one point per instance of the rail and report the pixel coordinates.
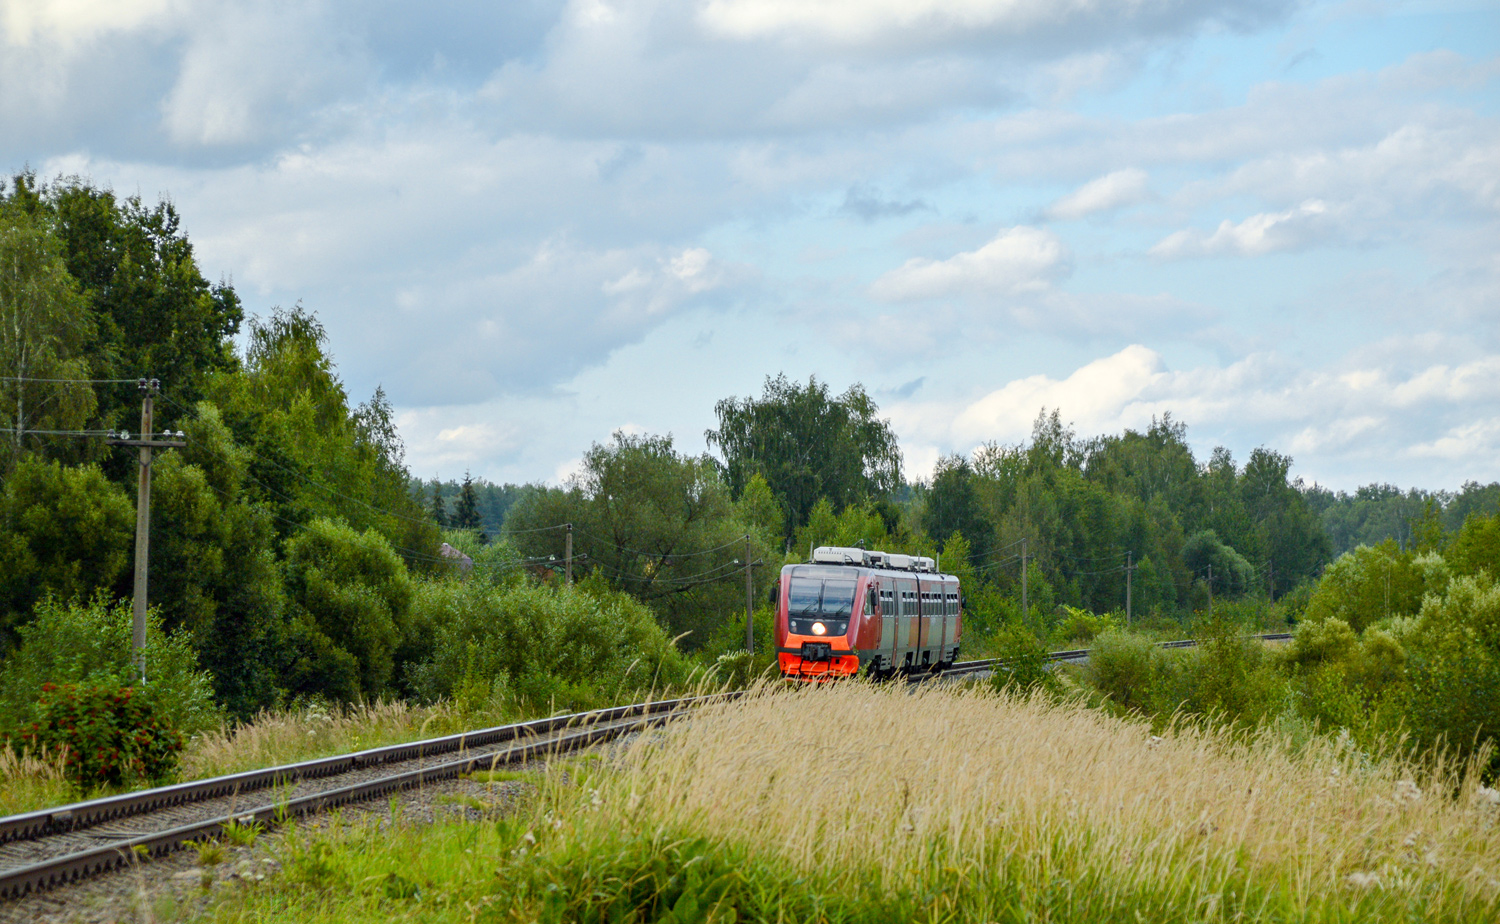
(593, 727)
(1079, 654)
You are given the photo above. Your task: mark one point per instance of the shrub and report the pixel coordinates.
(1080, 625)
(89, 644)
(1127, 668)
(562, 645)
(1453, 668)
(1026, 668)
(356, 591)
(108, 735)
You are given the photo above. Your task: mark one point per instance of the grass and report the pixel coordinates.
(272, 738)
(860, 803)
(28, 782)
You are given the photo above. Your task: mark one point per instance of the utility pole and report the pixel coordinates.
(149, 389)
(749, 601)
(1210, 590)
(1129, 569)
(1271, 578)
(1025, 613)
(568, 555)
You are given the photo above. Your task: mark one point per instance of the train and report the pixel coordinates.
(849, 610)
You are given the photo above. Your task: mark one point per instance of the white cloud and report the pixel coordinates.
(1256, 235)
(1111, 191)
(1018, 260)
(69, 23)
(1093, 396)
(859, 22)
(1352, 418)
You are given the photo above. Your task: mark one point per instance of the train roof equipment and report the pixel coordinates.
(839, 555)
(923, 563)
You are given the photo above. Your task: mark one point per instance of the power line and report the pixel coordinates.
(25, 378)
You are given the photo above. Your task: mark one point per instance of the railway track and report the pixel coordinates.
(57, 846)
(54, 847)
(989, 665)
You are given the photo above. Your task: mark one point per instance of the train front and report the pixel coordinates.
(816, 621)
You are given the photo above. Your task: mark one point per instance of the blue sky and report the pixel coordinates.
(536, 222)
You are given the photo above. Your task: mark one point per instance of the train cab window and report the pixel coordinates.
(817, 606)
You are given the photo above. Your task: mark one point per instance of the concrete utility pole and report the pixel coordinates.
(149, 389)
(568, 555)
(749, 601)
(1129, 570)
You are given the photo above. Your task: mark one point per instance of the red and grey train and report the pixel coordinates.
(850, 609)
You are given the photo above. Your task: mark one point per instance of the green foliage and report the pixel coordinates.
(213, 567)
(856, 525)
(1205, 555)
(655, 524)
(953, 506)
(89, 644)
(808, 446)
(310, 454)
(1129, 669)
(1026, 669)
(1079, 625)
(1453, 667)
(572, 647)
(352, 589)
(110, 735)
(64, 531)
(1368, 584)
(44, 332)
(466, 508)
(1476, 548)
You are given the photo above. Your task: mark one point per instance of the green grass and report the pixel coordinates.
(978, 807)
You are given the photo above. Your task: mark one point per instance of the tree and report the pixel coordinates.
(352, 594)
(439, 509)
(466, 511)
(953, 507)
(64, 532)
(807, 445)
(44, 329)
(654, 523)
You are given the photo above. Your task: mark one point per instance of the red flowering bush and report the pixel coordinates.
(109, 734)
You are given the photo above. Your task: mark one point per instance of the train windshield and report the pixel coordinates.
(813, 597)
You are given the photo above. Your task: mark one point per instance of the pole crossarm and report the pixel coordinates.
(148, 444)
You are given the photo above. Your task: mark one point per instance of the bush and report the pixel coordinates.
(1026, 669)
(355, 590)
(1452, 696)
(1079, 625)
(566, 646)
(108, 735)
(89, 644)
(1126, 667)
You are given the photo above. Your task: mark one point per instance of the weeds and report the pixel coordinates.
(971, 805)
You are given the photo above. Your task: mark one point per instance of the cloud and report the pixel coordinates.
(1094, 395)
(877, 22)
(1018, 260)
(1352, 422)
(866, 204)
(1111, 191)
(1259, 234)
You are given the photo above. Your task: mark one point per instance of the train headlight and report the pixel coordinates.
(819, 628)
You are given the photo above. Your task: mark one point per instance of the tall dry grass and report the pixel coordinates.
(29, 782)
(885, 785)
(285, 736)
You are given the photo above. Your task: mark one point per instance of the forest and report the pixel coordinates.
(294, 558)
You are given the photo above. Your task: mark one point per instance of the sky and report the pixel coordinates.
(536, 222)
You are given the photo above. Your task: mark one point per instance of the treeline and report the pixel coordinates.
(294, 556)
